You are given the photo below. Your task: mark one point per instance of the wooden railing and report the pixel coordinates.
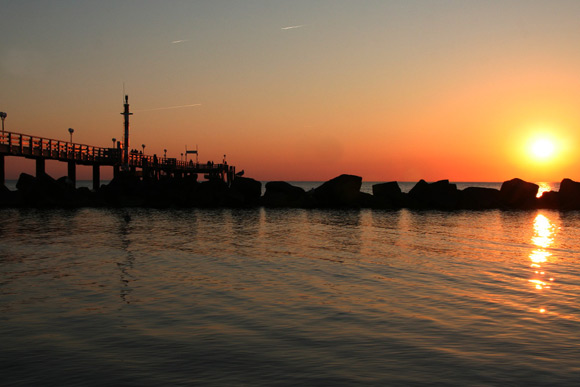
(18, 144)
(147, 161)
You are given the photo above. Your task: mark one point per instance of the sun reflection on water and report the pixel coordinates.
(543, 238)
(543, 187)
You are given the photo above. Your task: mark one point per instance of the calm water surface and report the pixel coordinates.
(288, 297)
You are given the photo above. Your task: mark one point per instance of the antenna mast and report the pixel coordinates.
(126, 114)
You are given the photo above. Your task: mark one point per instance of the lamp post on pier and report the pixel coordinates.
(71, 131)
(3, 116)
(165, 153)
(143, 146)
(114, 140)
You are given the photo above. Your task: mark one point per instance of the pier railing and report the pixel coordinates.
(18, 144)
(24, 145)
(147, 161)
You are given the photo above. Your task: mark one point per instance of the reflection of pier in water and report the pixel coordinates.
(119, 158)
(126, 265)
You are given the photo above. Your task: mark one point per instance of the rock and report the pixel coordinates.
(9, 198)
(66, 183)
(479, 198)
(211, 193)
(439, 195)
(125, 182)
(517, 193)
(125, 190)
(389, 189)
(549, 200)
(245, 191)
(44, 191)
(569, 198)
(388, 195)
(4, 190)
(366, 200)
(25, 182)
(342, 191)
(282, 194)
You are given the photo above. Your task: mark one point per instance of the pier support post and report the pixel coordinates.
(116, 170)
(40, 167)
(2, 171)
(72, 172)
(96, 176)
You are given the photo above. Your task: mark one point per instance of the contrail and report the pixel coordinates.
(169, 107)
(179, 41)
(292, 27)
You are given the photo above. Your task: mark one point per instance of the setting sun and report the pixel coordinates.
(542, 148)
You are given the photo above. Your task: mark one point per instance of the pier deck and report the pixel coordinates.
(42, 149)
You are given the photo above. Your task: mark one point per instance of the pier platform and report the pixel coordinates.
(144, 166)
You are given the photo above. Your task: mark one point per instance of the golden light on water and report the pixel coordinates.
(543, 238)
(539, 256)
(543, 187)
(539, 284)
(543, 231)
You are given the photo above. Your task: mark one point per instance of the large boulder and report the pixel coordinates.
(388, 189)
(366, 200)
(517, 193)
(245, 191)
(25, 182)
(342, 191)
(4, 191)
(550, 200)
(125, 190)
(282, 194)
(388, 195)
(43, 191)
(9, 198)
(439, 195)
(479, 198)
(211, 193)
(569, 195)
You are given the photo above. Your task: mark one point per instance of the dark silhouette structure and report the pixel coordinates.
(120, 159)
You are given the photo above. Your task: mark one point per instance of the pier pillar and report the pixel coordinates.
(40, 167)
(96, 176)
(2, 172)
(72, 172)
(116, 170)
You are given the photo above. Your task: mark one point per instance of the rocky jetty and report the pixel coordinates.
(127, 190)
(282, 194)
(517, 193)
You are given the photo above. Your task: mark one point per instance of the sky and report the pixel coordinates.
(304, 90)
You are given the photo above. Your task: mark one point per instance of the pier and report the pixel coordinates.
(120, 158)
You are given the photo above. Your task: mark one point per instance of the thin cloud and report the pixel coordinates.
(179, 41)
(292, 27)
(169, 107)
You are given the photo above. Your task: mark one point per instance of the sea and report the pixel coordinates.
(289, 297)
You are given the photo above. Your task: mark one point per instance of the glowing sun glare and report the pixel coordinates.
(542, 148)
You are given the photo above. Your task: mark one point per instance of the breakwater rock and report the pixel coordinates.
(343, 192)
(127, 190)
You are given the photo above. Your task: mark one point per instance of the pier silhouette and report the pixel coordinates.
(120, 158)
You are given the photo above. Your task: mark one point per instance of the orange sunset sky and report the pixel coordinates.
(304, 90)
